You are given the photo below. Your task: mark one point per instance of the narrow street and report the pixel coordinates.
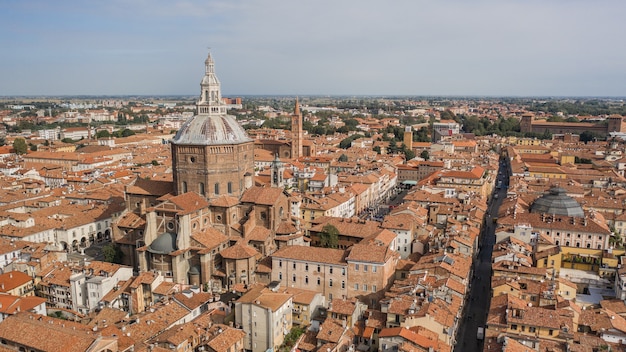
(479, 296)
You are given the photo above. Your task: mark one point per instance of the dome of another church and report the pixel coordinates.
(164, 244)
(211, 130)
(557, 202)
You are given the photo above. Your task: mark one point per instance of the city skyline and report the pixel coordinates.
(482, 48)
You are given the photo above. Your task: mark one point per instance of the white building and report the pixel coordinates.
(266, 317)
(445, 128)
(89, 284)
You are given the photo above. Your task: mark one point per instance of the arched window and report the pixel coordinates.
(201, 188)
(280, 276)
(306, 280)
(217, 188)
(184, 187)
(230, 187)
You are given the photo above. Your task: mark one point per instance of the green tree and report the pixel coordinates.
(20, 146)
(615, 240)
(421, 135)
(103, 134)
(546, 135)
(127, 133)
(329, 237)
(291, 338)
(351, 123)
(447, 115)
(347, 142)
(408, 153)
(588, 136)
(343, 158)
(154, 162)
(555, 118)
(424, 155)
(112, 253)
(33, 148)
(377, 149)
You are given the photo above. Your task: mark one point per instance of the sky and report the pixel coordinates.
(314, 47)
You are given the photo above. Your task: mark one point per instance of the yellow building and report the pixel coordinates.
(17, 283)
(465, 181)
(567, 159)
(511, 315)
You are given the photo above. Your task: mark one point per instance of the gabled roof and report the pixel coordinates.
(261, 195)
(13, 279)
(238, 251)
(47, 334)
(150, 187)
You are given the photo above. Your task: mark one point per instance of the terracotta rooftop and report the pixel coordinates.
(48, 334)
(312, 254)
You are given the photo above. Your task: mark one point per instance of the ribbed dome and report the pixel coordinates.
(211, 130)
(557, 202)
(164, 244)
(209, 80)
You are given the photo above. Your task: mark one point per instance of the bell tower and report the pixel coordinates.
(277, 171)
(296, 132)
(526, 123)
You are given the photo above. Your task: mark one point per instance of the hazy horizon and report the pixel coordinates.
(483, 48)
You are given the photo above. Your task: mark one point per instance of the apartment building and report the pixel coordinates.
(371, 268)
(320, 269)
(81, 288)
(265, 316)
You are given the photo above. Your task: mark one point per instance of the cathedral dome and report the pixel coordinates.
(209, 80)
(557, 202)
(211, 130)
(164, 244)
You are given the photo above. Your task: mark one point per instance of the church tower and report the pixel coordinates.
(615, 124)
(211, 153)
(526, 123)
(277, 172)
(297, 135)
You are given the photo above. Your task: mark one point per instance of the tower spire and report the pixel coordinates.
(210, 91)
(296, 109)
